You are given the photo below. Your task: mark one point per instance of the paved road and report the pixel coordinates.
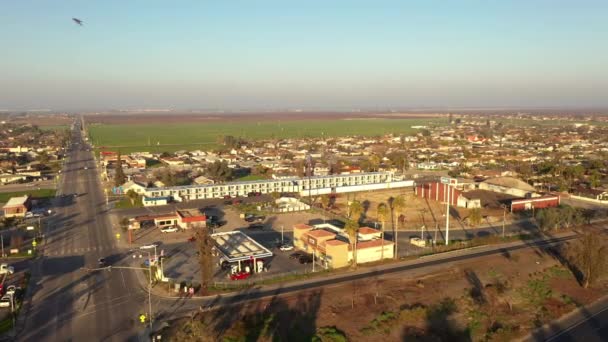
(588, 324)
(69, 304)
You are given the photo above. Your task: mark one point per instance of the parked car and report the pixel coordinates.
(169, 230)
(5, 268)
(286, 248)
(305, 259)
(259, 218)
(227, 197)
(101, 262)
(295, 255)
(5, 301)
(249, 217)
(240, 275)
(150, 246)
(192, 239)
(215, 224)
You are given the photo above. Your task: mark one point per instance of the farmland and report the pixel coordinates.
(159, 137)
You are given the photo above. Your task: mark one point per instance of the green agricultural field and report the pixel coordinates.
(42, 193)
(190, 136)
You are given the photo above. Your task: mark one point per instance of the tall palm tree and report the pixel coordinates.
(352, 228)
(382, 214)
(398, 204)
(355, 210)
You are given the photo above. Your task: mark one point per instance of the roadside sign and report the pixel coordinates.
(30, 228)
(34, 243)
(142, 318)
(448, 180)
(117, 235)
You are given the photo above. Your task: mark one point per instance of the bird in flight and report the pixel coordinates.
(77, 21)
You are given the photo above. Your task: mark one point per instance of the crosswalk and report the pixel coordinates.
(78, 251)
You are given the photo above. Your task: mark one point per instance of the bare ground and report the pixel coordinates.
(494, 298)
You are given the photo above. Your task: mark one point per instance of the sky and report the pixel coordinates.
(313, 54)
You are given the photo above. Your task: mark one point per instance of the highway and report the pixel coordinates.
(69, 304)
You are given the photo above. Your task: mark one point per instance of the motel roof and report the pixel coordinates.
(238, 246)
(16, 201)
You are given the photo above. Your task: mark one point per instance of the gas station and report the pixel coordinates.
(244, 254)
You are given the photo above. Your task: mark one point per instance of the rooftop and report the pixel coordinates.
(236, 245)
(301, 226)
(16, 201)
(368, 230)
(319, 233)
(373, 243)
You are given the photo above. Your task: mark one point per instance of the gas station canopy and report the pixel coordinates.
(237, 246)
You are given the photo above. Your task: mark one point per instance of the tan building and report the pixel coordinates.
(331, 248)
(17, 206)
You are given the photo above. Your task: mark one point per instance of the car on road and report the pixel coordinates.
(169, 230)
(85, 168)
(101, 262)
(150, 246)
(11, 290)
(5, 301)
(295, 255)
(240, 275)
(256, 226)
(286, 248)
(32, 214)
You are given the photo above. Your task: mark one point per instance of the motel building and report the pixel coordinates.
(330, 247)
(315, 185)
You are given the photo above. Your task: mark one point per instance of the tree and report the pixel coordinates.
(205, 248)
(397, 205)
(220, 171)
(590, 255)
(355, 209)
(547, 219)
(119, 176)
(382, 214)
(325, 200)
(352, 229)
(475, 216)
(133, 196)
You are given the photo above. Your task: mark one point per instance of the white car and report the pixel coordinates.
(285, 248)
(11, 289)
(5, 301)
(5, 268)
(150, 246)
(169, 230)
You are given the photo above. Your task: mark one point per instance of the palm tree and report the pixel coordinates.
(382, 214)
(352, 228)
(355, 210)
(397, 204)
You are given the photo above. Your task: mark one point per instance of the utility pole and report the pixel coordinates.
(447, 217)
(2, 239)
(504, 216)
(313, 260)
(281, 235)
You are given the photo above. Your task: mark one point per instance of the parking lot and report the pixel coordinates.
(181, 259)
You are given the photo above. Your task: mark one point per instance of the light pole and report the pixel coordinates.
(149, 285)
(281, 235)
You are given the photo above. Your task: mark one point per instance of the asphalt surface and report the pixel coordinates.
(589, 323)
(68, 303)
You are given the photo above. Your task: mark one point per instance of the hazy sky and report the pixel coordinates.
(307, 54)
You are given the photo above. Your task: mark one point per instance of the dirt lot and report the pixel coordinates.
(496, 298)
(418, 211)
